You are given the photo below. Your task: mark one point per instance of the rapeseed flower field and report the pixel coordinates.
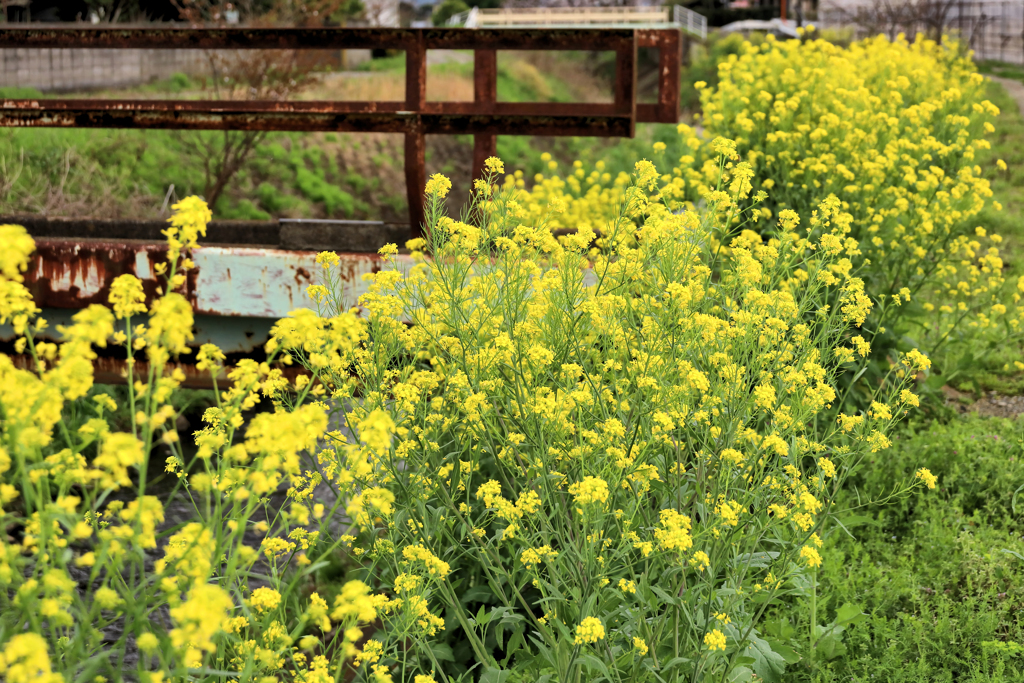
(607, 455)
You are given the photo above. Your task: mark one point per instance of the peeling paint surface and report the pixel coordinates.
(269, 283)
(247, 282)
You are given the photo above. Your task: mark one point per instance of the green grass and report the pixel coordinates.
(1002, 69)
(1007, 186)
(934, 575)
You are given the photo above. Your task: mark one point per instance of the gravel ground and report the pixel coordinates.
(991, 404)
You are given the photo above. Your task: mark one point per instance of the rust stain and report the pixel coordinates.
(77, 273)
(302, 276)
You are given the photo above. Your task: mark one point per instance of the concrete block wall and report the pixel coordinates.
(64, 69)
(69, 69)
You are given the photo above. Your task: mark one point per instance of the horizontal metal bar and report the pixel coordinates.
(109, 369)
(236, 107)
(536, 119)
(208, 106)
(317, 38)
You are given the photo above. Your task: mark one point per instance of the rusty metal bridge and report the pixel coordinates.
(254, 273)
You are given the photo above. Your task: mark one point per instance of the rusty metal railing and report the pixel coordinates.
(255, 273)
(414, 117)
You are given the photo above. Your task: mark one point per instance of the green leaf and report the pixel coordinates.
(850, 614)
(858, 520)
(491, 675)
(594, 664)
(442, 652)
(830, 646)
(673, 663)
(757, 560)
(515, 643)
(788, 654)
(780, 628)
(740, 673)
(478, 594)
(768, 664)
(666, 598)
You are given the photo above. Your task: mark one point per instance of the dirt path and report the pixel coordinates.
(1014, 88)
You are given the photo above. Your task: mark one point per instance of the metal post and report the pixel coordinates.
(625, 82)
(415, 143)
(485, 95)
(669, 57)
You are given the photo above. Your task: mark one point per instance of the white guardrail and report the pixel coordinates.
(582, 17)
(690, 21)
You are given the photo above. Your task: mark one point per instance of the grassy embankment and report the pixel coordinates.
(128, 173)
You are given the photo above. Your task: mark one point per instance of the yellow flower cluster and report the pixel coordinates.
(670, 386)
(889, 131)
(589, 631)
(57, 477)
(661, 386)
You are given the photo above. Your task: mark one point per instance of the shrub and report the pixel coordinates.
(890, 130)
(607, 470)
(446, 10)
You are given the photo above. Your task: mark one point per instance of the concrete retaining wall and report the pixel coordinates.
(55, 70)
(68, 69)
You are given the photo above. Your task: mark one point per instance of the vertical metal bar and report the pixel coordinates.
(415, 143)
(485, 95)
(415, 179)
(415, 72)
(670, 55)
(625, 81)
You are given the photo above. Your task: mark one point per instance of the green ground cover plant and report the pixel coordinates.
(931, 583)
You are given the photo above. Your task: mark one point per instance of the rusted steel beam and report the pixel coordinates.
(77, 273)
(317, 111)
(250, 233)
(213, 106)
(625, 83)
(415, 143)
(670, 56)
(229, 281)
(298, 234)
(415, 117)
(317, 38)
(446, 118)
(485, 97)
(236, 293)
(109, 369)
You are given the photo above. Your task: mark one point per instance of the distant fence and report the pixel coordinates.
(994, 30)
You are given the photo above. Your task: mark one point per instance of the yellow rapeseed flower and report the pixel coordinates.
(589, 631)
